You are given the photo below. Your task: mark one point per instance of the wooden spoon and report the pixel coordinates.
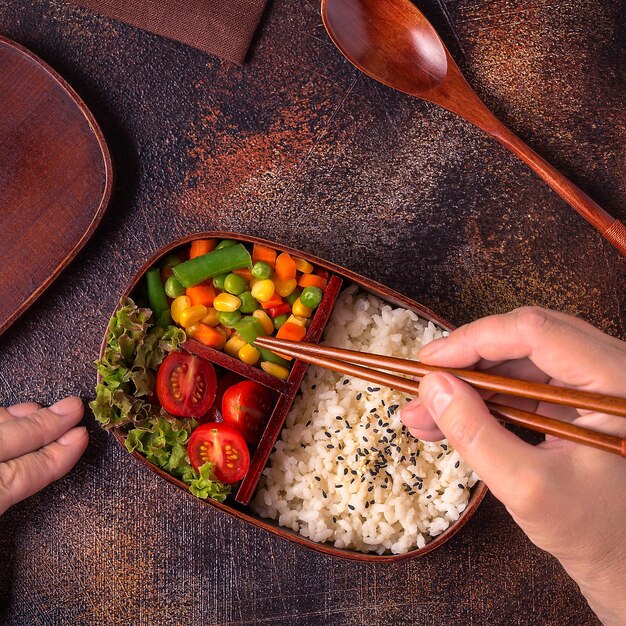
(392, 41)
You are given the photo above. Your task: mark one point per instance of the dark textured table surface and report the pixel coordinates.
(298, 146)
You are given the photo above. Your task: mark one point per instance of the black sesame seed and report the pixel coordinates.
(375, 388)
(327, 433)
(428, 497)
(340, 458)
(313, 386)
(365, 439)
(438, 472)
(370, 488)
(338, 417)
(370, 389)
(350, 507)
(382, 402)
(359, 396)
(324, 494)
(367, 505)
(367, 425)
(353, 472)
(308, 423)
(330, 446)
(440, 455)
(461, 486)
(444, 446)
(334, 519)
(338, 486)
(345, 471)
(346, 381)
(317, 478)
(373, 410)
(456, 465)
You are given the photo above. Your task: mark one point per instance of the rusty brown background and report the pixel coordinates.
(298, 146)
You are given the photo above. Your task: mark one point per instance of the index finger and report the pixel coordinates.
(564, 347)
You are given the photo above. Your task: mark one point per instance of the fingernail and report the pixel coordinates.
(66, 406)
(438, 396)
(432, 347)
(72, 436)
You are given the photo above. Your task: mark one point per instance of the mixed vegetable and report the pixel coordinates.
(225, 297)
(174, 408)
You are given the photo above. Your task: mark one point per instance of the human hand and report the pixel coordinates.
(37, 446)
(568, 498)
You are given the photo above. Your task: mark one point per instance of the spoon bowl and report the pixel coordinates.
(392, 42)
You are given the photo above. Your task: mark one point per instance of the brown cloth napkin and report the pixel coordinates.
(221, 27)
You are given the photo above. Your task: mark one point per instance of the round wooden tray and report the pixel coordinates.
(55, 177)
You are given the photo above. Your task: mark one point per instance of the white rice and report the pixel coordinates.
(320, 482)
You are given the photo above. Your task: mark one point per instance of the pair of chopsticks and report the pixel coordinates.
(351, 362)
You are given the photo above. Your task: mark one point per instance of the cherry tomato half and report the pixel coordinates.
(214, 414)
(247, 406)
(185, 385)
(222, 445)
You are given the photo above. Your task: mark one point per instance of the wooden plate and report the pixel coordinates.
(55, 177)
(237, 504)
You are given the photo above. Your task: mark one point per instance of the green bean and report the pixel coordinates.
(222, 261)
(157, 298)
(173, 288)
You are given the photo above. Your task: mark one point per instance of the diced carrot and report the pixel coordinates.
(291, 331)
(201, 294)
(274, 301)
(210, 336)
(311, 280)
(244, 273)
(201, 246)
(263, 253)
(285, 267)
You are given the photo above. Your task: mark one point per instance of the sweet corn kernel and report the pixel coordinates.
(263, 290)
(191, 330)
(226, 302)
(275, 370)
(249, 354)
(233, 345)
(300, 310)
(285, 288)
(211, 319)
(303, 266)
(296, 319)
(178, 306)
(192, 315)
(265, 320)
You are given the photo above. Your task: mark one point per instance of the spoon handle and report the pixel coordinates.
(609, 227)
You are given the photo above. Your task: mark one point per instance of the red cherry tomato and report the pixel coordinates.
(247, 406)
(185, 385)
(214, 414)
(222, 445)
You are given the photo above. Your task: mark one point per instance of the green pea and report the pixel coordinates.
(218, 281)
(279, 320)
(173, 288)
(311, 297)
(229, 318)
(235, 284)
(262, 270)
(293, 296)
(171, 260)
(225, 243)
(248, 303)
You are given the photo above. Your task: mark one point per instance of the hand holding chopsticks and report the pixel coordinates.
(352, 363)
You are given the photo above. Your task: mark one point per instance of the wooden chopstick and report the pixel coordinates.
(499, 384)
(509, 415)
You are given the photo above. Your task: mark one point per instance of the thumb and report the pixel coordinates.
(499, 457)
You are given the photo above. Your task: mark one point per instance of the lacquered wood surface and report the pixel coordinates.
(55, 177)
(299, 146)
(392, 41)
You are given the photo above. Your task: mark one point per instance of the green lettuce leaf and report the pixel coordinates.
(135, 349)
(164, 443)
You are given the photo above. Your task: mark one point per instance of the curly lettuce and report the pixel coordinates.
(134, 350)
